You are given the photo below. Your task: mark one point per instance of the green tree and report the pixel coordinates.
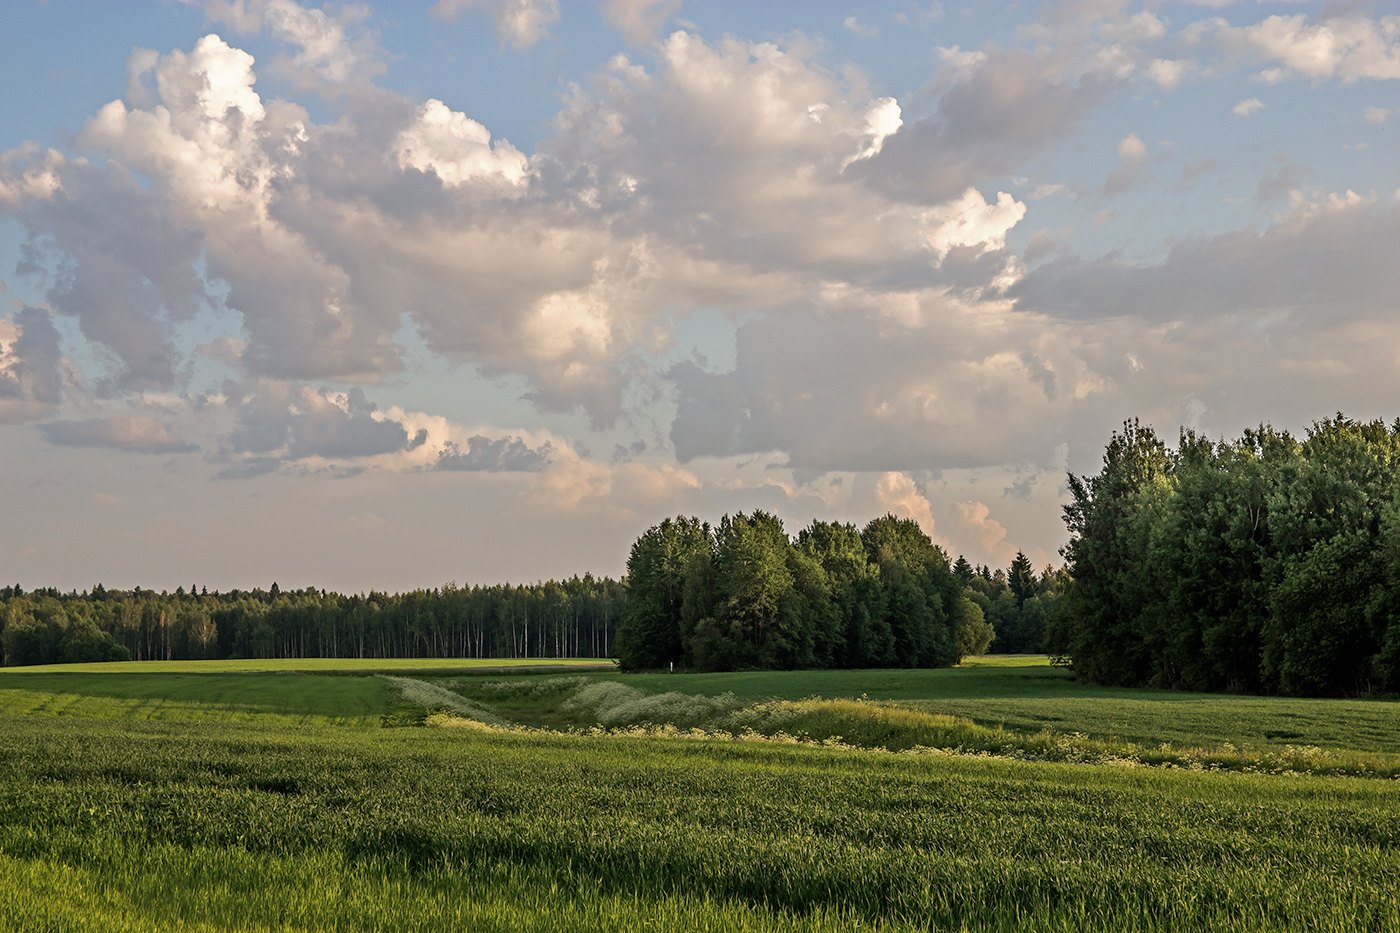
(649, 635)
(861, 636)
(1110, 519)
(1020, 577)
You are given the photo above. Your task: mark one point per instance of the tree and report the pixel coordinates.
(1020, 577)
(963, 571)
(649, 635)
(753, 585)
(975, 633)
(919, 588)
(1110, 518)
(860, 635)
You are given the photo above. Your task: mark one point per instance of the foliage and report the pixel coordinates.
(744, 595)
(573, 618)
(1262, 564)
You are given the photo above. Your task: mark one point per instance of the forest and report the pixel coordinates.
(743, 594)
(834, 610)
(1264, 564)
(570, 618)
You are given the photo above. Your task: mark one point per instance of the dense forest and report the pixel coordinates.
(572, 618)
(1263, 564)
(836, 596)
(743, 594)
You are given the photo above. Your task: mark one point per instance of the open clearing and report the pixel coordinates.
(256, 800)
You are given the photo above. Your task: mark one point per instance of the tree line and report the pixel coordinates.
(577, 617)
(1263, 564)
(738, 595)
(743, 594)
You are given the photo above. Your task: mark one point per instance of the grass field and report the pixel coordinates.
(258, 801)
(1026, 693)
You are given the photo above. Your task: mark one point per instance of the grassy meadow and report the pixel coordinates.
(593, 800)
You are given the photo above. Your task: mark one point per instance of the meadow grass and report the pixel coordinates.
(243, 801)
(1026, 694)
(116, 825)
(283, 698)
(584, 704)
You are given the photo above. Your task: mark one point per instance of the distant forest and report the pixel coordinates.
(580, 617)
(1265, 564)
(571, 618)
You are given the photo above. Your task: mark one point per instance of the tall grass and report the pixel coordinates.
(595, 706)
(107, 825)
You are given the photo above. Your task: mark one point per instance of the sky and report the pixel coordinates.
(386, 295)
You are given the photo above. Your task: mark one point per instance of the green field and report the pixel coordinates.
(256, 801)
(1025, 693)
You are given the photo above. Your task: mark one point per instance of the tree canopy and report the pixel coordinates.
(1262, 564)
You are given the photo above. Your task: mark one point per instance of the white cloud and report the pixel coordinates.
(1345, 47)
(899, 495)
(519, 23)
(1377, 116)
(986, 537)
(855, 27)
(640, 20)
(1168, 73)
(456, 148)
(1247, 107)
(330, 48)
(1131, 149)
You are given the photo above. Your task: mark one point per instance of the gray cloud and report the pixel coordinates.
(132, 433)
(114, 259)
(1329, 262)
(999, 111)
(288, 423)
(501, 454)
(852, 391)
(31, 366)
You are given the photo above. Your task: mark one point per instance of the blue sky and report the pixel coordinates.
(385, 295)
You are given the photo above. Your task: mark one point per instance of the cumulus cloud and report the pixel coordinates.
(1131, 149)
(924, 381)
(1377, 116)
(899, 495)
(31, 366)
(1168, 73)
(493, 454)
(880, 383)
(750, 155)
(996, 109)
(985, 536)
(640, 20)
(857, 28)
(1347, 47)
(132, 433)
(456, 148)
(329, 47)
(728, 175)
(519, 23)
(1132, 159)
(1247, 107)
(285, 422)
